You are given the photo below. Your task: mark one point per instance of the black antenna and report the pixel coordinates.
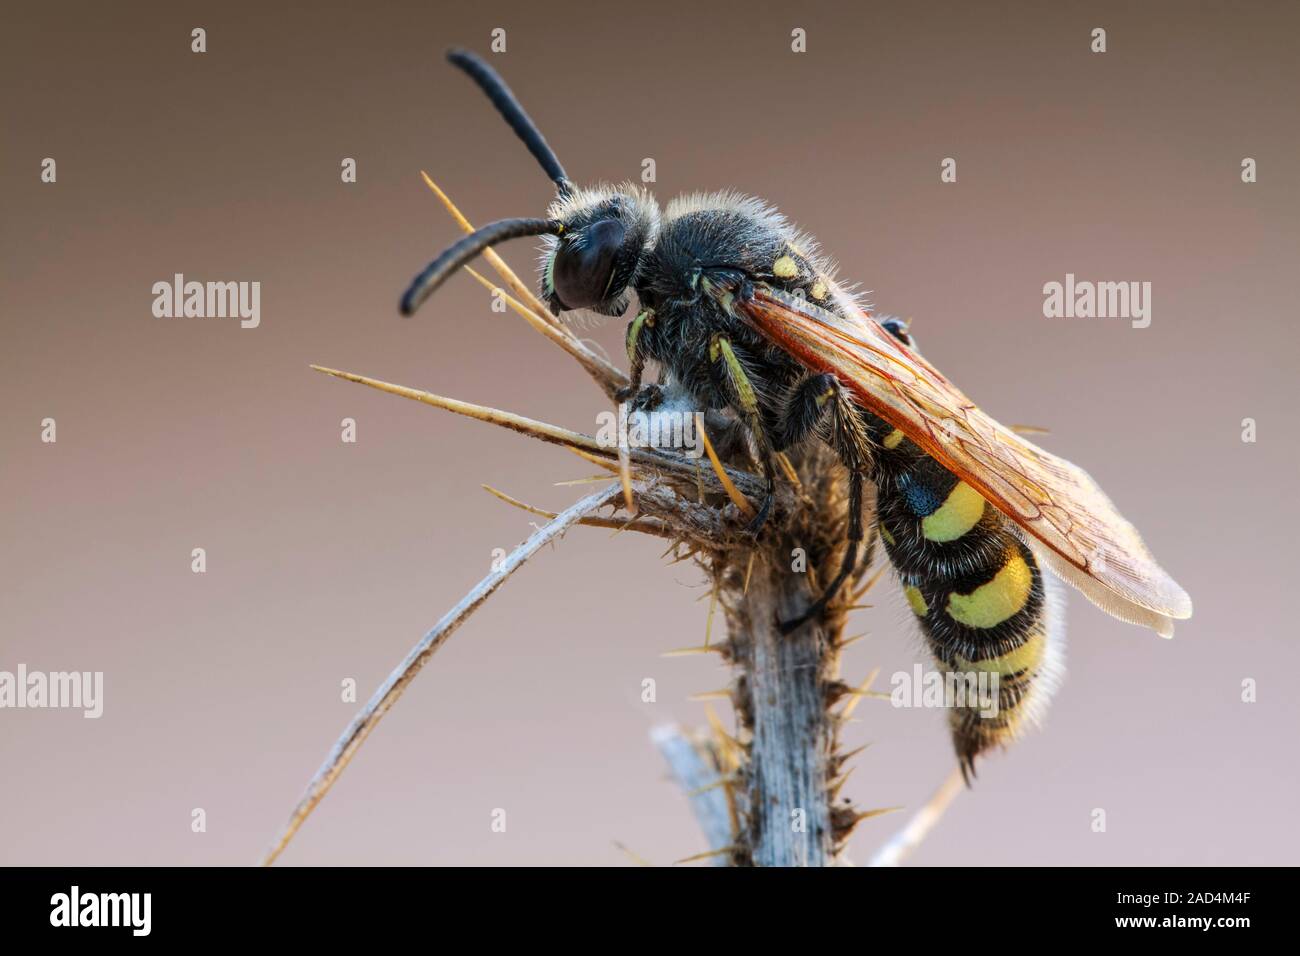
(490, 83)
(466, 249)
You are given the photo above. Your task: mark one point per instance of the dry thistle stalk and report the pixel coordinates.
(767, 792)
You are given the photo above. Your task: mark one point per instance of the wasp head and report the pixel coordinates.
(594, 258)
(596, 239)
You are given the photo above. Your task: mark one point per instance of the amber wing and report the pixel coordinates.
(1071, 524)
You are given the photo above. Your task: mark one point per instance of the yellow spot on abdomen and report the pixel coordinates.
(818, 290)
(1027, 657)
(893, 439)
(991, 604)
(917, 600)
(960, 512)
(785, 268)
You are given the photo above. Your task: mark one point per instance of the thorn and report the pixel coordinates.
(646, 527)
(856, 607)
(721, 694)
(638, 860)
(688, 651)
(625, 476)
(499, 264)
(749, 570)
(833, 790)
(708, 621)
(728, 745)
(868, 694)
(493, 416)
(451, 207)
(791, 475)
(871, 583)
(868, 814)
(732, 491)
(582, 481)
(632, 522)
(594, 459)
(516, 502)
(728, 763)
(735, 748)
(534, 311)
(710, 787)
(845, 642)
(528, 315)
(845, 757)
(709, 854)
(847, 710)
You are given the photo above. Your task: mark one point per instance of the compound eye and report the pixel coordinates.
(584, 264)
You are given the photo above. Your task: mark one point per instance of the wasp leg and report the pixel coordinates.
(745, 400)
(635, 354)
(647, 399)
(805, 409)
(849, 439)
(846, 565)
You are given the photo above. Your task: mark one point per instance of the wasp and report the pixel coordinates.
(741, 312)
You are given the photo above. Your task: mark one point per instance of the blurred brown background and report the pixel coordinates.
(328, 560)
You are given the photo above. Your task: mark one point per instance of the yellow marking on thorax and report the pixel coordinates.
(960, 512)
(893, 439)
(785, 268)
(1002, 598)
(917, 600)
(884, 533)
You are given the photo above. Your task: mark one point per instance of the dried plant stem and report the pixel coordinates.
(383, 699)
(575, 441)
(785, 752)
(786, 684)
(699, 777)
(902, 843)
(782, 694)
(656, 528)
(764, 794)
(785, 768)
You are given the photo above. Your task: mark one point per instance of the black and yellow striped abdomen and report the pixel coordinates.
(975, 587)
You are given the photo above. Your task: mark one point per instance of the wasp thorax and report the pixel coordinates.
(585, 263)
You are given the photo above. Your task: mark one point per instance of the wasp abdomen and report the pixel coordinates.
(977, 592)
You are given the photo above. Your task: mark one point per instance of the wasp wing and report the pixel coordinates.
(1072, 526)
